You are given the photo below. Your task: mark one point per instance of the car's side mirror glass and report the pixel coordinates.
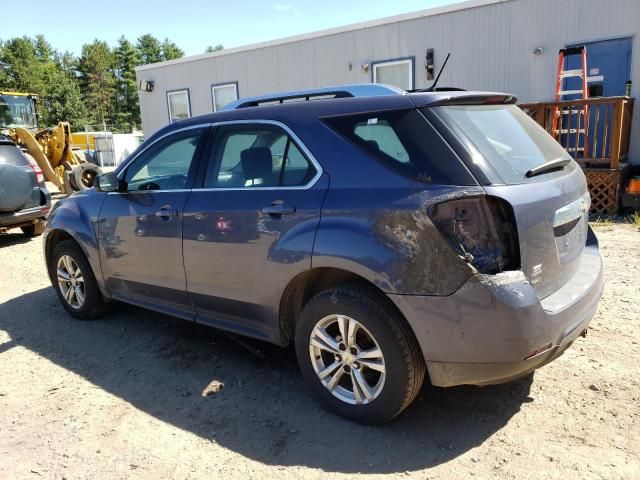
(107, 182)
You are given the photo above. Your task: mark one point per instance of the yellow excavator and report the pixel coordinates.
(51, 148)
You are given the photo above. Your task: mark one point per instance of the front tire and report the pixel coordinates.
(74, 282)
(358, 354)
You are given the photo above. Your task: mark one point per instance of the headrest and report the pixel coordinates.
(256, 163)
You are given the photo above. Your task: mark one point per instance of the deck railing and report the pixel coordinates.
(607, 129)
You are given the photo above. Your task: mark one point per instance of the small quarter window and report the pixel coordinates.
(380, 134)
(179, 105)
(406, 142)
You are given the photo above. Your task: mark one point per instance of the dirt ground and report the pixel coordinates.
(141, 395)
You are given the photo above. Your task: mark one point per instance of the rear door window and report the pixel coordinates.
(406, 142)
(256, 156)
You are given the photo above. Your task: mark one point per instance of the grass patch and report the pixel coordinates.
(603, 220)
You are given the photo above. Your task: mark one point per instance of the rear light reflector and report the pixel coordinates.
(36, 169)
(482, 230)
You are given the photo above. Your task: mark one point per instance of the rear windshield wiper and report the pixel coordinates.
(550, 166)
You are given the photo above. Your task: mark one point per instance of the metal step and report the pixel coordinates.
(570, 130)
(571, 73)
(571, 92)
(570, 112)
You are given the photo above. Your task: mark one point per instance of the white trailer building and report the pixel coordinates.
(498, 45)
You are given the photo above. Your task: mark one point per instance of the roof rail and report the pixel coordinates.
(339, 91)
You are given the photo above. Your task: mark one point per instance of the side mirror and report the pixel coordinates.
(107, 182)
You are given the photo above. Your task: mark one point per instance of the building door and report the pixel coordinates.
(608, 70)
(608, 66)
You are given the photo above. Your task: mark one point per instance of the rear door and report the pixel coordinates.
(250, 228)
(140, 231)
(504, 146)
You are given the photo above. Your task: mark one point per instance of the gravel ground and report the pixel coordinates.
(141, 395)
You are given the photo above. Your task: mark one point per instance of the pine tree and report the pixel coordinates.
(63, 99)
(44, 50)
(170, 50)
(149, 49)
(96, 80)
(127, 115)
(211, 48)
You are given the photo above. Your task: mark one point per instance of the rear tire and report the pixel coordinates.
(373, 387)
(34, 230)
(85, 302)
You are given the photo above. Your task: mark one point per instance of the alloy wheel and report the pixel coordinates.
(347, 359)
(70, 281)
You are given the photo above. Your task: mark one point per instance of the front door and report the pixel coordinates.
(140, 230)
(250, 228)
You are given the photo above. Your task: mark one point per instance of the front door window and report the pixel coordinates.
(166, 165)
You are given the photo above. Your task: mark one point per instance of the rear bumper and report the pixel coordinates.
(23, 217)
(494, 328)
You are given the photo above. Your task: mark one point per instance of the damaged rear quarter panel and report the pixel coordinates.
(387, 237)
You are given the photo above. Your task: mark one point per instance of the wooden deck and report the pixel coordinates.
(604, 154)
(609, 127)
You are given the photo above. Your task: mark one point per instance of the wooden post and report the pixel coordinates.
(616, 134)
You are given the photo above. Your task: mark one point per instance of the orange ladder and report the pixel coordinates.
(572, 119)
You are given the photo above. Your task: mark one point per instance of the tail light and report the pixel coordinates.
(36, 169)
(482, 230)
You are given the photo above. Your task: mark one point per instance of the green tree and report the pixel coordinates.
(170, 50)
(33, 65)
(149, 49)
(44, 50)
(63, 100)
(211, 48)
(97, 80)
(127, 111)
(20, 65)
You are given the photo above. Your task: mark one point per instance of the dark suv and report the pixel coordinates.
(390, 236)
(24, 199)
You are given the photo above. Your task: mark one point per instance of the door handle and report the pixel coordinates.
(278, 208)
(166, 212)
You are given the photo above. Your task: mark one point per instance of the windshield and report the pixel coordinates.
(17, 111)
(507, 140)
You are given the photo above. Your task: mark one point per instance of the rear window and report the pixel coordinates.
(509, 141)
(406, 142)
(10, 154)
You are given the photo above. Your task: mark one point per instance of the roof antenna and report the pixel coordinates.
(432, 88)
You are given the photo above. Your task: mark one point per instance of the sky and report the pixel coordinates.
(191, 24)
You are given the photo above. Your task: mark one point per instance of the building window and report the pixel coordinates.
(398, 72)
(222, 94)
(179, 105)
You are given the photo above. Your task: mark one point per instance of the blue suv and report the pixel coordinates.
(390, 236)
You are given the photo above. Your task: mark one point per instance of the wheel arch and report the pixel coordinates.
(56, 235)
(309, 283)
